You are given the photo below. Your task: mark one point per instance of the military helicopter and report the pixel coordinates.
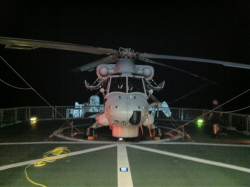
(126, 87)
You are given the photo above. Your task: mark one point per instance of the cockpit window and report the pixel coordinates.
(135, 85)
(118, 84)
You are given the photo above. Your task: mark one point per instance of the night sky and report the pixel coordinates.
(217, 30)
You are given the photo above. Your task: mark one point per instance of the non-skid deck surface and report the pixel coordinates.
(205, 161)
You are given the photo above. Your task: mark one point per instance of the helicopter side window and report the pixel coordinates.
(118, 84)
(135, 85)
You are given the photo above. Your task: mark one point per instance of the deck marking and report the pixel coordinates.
(78, 142)
(71, 154)
(193, 159)
(124, 178)
(192, 143)
(162, 140)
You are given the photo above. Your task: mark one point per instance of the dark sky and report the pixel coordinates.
(205, 29)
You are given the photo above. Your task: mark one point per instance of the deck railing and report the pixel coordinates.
(12, 116)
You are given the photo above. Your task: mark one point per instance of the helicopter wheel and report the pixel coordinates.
(90, 133)
(157, 133)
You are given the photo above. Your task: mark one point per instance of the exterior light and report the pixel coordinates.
(200, 122)
(33, 119)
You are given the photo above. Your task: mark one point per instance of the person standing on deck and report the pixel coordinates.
(215, 117)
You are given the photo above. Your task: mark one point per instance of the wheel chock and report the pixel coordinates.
(157, 138)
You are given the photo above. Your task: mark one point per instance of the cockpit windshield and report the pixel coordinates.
(135, 85)
(126, 84)
(118, 84)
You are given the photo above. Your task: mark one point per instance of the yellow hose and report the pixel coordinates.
(59, 152)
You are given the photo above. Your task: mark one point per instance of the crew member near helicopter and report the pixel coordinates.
(215, 117)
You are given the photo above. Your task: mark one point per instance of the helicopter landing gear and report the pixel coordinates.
(90, 133)
(157, 133)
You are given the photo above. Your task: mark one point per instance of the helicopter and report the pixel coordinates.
(126, 87)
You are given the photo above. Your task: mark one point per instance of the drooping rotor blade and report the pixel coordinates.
(26, 44)
(225, 63)
(87, 67)
(161, 64)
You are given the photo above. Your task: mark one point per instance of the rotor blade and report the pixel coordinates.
(92, 65)
(225, 63)
(161, 64)
(25, 44)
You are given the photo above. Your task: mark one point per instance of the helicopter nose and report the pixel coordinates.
(126, 109)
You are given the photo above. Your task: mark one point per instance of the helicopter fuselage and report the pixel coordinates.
(126, 99)
(126, 110)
